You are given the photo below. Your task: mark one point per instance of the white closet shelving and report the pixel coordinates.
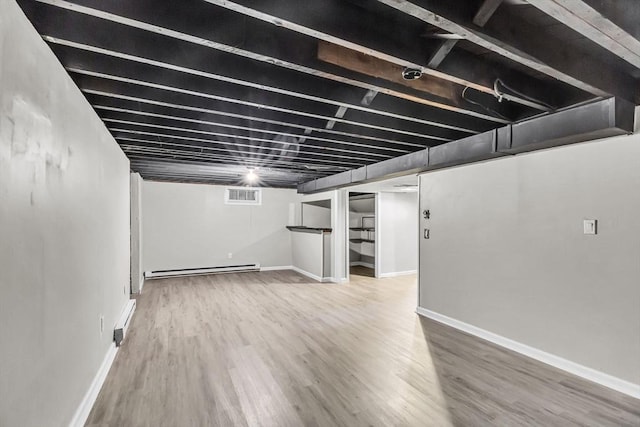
(362, 231)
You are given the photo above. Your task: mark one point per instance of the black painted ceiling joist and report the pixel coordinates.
(251, 102)
(593, 19)
(516, 40)
(482, 16)
(263, 46)
(191, 108)
(120, 115)
(315, 89)
(402, 43)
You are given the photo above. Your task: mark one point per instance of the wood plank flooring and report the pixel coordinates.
(359, 270)
(276, 349)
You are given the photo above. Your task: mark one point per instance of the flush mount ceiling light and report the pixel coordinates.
(252, 177)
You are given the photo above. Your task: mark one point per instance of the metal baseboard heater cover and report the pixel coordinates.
(157, 274)
(599, 119)
(120, 330)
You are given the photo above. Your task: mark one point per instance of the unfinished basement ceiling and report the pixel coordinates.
(204, 90)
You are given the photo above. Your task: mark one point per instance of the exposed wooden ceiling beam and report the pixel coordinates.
(595, 24)
(254, 48)
(526, 47)
(140, 146)
(259, 106)
(240, 137)
(232, 148)
(441, 52)
(379, 68)
(346, 29)
(293, 92)
(376, 67)
(486, 10)
(161, 166)
(116, 99)
(107, 113)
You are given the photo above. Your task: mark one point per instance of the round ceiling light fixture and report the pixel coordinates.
(252, 177)
(411, 73)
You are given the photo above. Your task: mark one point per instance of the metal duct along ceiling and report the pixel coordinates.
(601, 119)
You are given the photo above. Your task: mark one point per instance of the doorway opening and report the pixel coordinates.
(362, 234)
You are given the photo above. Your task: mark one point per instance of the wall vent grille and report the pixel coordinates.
(243, 196)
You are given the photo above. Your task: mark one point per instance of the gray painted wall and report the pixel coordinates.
(136, 233)
(398, 232)
(507, 251)
(64, 227)
(307, 252)
(190, 226)
(316, 216)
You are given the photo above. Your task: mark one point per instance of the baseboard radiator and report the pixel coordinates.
(157, 274)
(120, 330)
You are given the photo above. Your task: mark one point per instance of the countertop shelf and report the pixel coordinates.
(361, 240)
(304, 229)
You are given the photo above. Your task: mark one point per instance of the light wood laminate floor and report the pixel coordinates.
(276, 349)
(358, 270)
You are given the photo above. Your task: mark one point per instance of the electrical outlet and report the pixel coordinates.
(229, 255)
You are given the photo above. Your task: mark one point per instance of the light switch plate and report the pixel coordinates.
(590, 226)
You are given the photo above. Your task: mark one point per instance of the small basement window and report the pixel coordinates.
(242, 196)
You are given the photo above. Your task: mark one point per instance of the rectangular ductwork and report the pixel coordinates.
(467, 150)
(334, 181)
(606, 118)
(397, 166)
(600, 119)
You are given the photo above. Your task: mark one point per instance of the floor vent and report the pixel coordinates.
(157, 274)
(120, 330)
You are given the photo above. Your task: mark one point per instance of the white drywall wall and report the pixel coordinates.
(397, 219)
(308, 252)
(136, 233)
(316, 216)
(190, 226)
(507, 251)
(64, 233)
(339, 220)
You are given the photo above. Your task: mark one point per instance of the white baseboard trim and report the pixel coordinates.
(83, 411)
(310, 275)
(140, 285)
(277, 268)
(585, 372)
(362, 264)
(398, 273)
(305, 273)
